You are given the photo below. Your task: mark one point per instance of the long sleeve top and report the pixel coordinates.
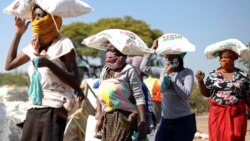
(116, 93)
(175, 100)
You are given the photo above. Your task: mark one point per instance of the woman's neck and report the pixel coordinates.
(229, 70)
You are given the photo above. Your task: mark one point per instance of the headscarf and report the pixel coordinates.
(47, 27)
(115, 61)
(182, 55)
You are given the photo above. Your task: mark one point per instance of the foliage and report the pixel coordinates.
(19, 79)
(78, 31)
(199, 104)
(245, 63)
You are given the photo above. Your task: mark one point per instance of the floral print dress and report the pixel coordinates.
(227, 113)
(228, 92)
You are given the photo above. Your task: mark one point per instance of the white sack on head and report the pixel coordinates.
(212, 51)
(65, 8)
(172, 43)
(62, 8)
(20, 8)
(125, 41)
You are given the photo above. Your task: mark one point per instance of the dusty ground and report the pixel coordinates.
(202, 126)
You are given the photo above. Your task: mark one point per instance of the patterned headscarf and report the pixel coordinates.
(114, 61)
(114, 58)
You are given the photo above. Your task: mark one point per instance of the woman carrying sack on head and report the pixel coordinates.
(122, 99)
(176, 83)
(229, 90)
(55, 84)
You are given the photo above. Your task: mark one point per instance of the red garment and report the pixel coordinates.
(227, 122)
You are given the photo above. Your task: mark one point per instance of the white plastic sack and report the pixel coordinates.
(65, 8)
(172, 43)
(235, 45)
(20, 8)
(62, 8)
(125, 41)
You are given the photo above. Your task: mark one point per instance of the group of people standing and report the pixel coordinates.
(122, 97)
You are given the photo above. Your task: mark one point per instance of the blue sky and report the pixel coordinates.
(203, 22)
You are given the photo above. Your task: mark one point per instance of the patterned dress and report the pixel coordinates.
(227, 119)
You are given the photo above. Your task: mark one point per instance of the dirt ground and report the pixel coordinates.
(202, 126)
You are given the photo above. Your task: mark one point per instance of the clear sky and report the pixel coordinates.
(203, 22)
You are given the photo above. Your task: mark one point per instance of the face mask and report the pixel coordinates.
(227, 65)
(173, 63)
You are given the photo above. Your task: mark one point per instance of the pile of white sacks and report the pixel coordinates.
(13, 107)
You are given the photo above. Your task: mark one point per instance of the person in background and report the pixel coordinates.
(156, 98)
(228, 89)
(135, 62)
(54, 58)
(176, 83)
(121, 99)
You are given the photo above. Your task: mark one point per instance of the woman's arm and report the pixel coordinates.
(70, 76)
(149, 70)
(184, 89)
(135, 85)
(203, 90)
(98, 109)
(13, 60)
(142, 125)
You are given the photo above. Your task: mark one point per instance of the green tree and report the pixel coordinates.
(19, 79)
(199, 104)
(78, 31)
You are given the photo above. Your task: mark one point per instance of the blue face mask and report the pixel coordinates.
(173, 63)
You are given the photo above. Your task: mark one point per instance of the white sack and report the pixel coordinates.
(172, 43)
(212, 51)
(62, 8)
(125, 41)
(65, 8)
(20, 8)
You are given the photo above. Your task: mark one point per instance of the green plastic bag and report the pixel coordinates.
(35, 88)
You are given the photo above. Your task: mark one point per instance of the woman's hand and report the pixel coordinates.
(36, 45)
(200, 76)
(132, 117)
(169, 69)
(142, 130)
(99, 124)
(43, 61)
(79, 94)
(155, 44)
(20, 25)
